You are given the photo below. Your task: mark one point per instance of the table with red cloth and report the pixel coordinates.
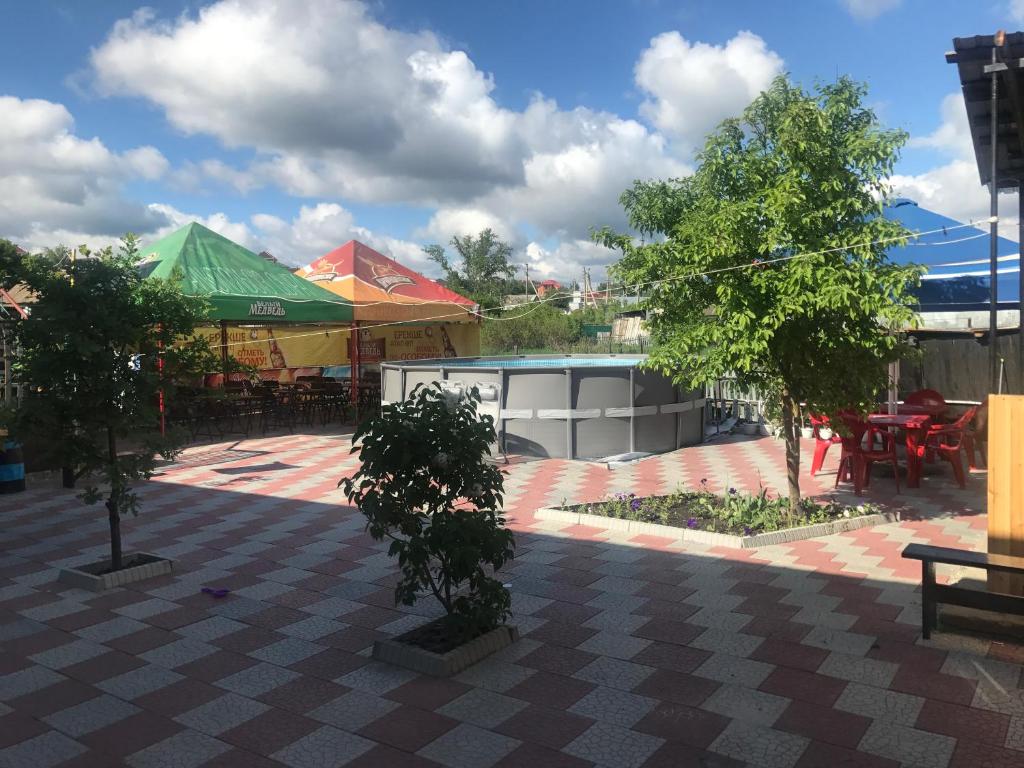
(915, 427)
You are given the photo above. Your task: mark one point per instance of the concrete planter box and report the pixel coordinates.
(146, 566)
(425, 662)
(710, 538)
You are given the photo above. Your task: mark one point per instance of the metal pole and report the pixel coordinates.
(993, 352)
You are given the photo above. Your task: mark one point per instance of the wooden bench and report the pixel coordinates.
(932, 594)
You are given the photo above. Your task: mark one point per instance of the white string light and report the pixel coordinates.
(636, 287)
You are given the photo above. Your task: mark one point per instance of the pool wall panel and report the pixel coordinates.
(585, 410)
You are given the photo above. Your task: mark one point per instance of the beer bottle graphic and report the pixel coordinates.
(276, 355)
(449, 348)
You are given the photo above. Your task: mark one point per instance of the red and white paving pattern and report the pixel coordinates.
(635, 651)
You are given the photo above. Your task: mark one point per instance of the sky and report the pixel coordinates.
(295, 126)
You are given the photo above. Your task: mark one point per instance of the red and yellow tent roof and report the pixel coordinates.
(382, 290)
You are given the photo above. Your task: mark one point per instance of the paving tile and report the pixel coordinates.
(908, 745)
(139, 682)
(312, 628)
(481, 707)
(110, 629)
(879, 704)
(221, 714)
(428, 693)
(822, 723)
(613, 705)
(43, 751)
(549, 727)
(965, 722)
(858, 669)
(302, 694)
(614, 673)
(210, 628)
(819, 754)
(609, 744)
(178, 653)
(28, 680)
(376, 678)
(805, 686)
(408, 728)
(730, 669)
(71, 653)
(759, 744)
(90, 715)
(493, 675)
(188, 749)
(679, 722)
(467, 746)
(257, 680)
(353, 710)
(270, 732)
(287, 652)
(971, 754)
(746, 704)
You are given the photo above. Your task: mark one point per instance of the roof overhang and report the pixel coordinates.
(977, 59)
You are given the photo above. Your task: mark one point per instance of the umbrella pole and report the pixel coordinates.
(354, 361)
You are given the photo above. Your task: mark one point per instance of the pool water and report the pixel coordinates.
(534, 362)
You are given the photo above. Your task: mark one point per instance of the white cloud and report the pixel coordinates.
(567, 259)
(339, 106)
(60, 188)
(692, 86)
(870, 9)
(954, 188)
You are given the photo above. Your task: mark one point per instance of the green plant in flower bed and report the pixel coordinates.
(743, 514)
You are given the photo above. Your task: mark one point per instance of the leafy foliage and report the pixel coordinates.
(425, 483)
(90, 351)
(800, 175)
(485, 274)
(728, 512)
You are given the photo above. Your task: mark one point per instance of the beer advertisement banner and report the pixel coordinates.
(304, 347)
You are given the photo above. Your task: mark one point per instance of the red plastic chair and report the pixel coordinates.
(821, 445)
(850, 467)
(949, 440)
(927, 397)
(855, 463)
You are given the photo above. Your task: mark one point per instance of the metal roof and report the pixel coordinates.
(973, 58)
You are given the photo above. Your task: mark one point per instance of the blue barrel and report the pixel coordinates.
(12, 468)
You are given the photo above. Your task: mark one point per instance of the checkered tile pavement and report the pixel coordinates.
(635, 651)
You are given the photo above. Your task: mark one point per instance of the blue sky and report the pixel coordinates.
(401, 122)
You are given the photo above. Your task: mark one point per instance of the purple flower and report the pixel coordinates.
(635, 504)
(747, 530)
(692, 523)
(703, 481)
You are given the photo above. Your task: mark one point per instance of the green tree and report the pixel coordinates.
(766, 262)
(484, 273)
(426, 482)
(91, 351)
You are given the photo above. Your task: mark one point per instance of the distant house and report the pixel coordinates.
(547, 286)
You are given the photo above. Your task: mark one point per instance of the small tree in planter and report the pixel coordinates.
(98, 350)
(425, 484)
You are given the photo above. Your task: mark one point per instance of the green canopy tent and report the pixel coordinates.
(241, 286)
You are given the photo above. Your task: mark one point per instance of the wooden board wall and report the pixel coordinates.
(1006, 486)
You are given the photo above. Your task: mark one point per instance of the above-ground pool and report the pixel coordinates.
(575, 406)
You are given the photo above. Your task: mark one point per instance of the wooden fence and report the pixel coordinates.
(1006, 487)
(959, 368)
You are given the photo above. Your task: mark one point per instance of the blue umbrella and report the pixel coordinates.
(957, 259)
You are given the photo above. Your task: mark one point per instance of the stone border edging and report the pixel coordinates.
(391, 651)
(710, 538)
(76, 577)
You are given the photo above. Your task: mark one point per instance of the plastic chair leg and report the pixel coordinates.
(968, 444)
(820, 449)
(958, 468)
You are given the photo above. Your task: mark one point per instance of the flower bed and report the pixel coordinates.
(729, 519)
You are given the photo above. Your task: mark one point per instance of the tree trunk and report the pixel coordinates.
(67, 477)
(112, 503)
(791, 430)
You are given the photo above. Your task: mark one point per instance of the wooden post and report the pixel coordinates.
(1006, 486)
